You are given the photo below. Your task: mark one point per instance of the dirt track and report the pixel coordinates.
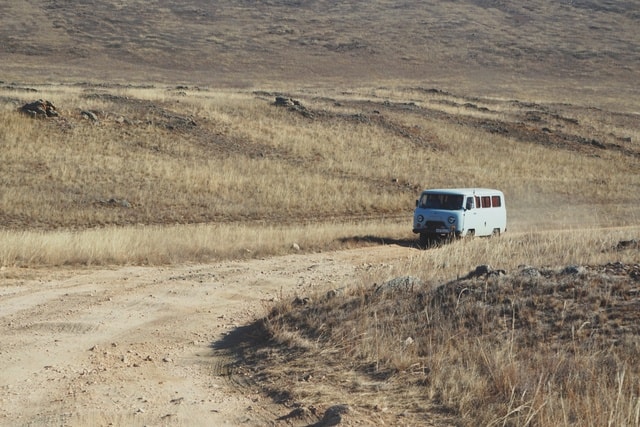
(135, 345)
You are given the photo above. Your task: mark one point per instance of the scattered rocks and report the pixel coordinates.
(282, 101)
(302, 301)
(333, 416)
(408, 342)
(334, 293)
(292, 105)
(628, 244)
(89, 115)
(529, 271)
(39, 109)
(175, 122)
(404, 283)
(621, 269)
(484, 271)
(574, 270)
(113, 202)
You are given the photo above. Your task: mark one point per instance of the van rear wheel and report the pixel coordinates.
(496, 232)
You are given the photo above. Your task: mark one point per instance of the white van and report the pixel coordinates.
(459, 212)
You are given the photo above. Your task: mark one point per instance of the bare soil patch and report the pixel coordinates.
(146, 345)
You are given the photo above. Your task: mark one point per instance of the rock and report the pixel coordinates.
(302, 301)
(481, 270)
(574, 270)
(403, 283)
(333, 416)
(40, 109)
(529, 271)
(334, 293)
(281, 101)
(627, 244)
(89, 115)
(123, 203)
(292, 105)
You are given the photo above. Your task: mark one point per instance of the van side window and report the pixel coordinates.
(486, 201)
(478, 205)
(495, 201)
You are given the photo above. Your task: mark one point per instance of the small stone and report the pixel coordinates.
(89, 115)
(574, 270)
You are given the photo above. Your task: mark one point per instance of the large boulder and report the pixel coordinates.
(39, 109)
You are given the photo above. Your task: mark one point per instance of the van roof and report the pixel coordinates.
(463, 191)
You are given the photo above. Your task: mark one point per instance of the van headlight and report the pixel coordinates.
(451, 219)
(420, 218)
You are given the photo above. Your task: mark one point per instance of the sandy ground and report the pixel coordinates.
(136, 345)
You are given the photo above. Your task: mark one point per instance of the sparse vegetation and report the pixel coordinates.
(168, 149)
(534, 347)
(234, 158)
(160, 177)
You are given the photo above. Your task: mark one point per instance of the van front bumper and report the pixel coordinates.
(438, 231)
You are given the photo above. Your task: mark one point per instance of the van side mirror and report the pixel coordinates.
(416, 203)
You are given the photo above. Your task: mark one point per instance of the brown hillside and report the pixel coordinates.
(479, 42)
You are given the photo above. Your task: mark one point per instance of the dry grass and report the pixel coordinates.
(549, 346)
(489, 46)
(189, 155)
(158, 245)
(539, 99)
(193, 175)
(228, 155)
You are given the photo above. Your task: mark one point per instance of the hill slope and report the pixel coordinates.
(240, 42)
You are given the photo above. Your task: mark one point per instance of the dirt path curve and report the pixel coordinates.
(133, 346)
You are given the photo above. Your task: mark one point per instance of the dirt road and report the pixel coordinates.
(135, 345)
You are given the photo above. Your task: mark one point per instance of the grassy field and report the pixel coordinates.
(168, 148)
(165, 157)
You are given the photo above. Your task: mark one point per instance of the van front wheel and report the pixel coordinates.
(496, 232)
(424, 240)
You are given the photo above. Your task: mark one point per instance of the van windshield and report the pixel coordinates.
(449, 202)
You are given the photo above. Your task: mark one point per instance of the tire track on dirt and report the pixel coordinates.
(137, 345)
